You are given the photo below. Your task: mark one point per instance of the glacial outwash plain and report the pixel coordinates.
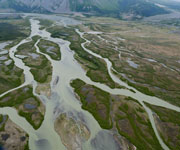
(83, 82)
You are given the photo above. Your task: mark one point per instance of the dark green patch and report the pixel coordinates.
(99, 103)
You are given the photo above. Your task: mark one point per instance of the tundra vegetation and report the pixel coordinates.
(12, 31)
(27, 105)
(118, 112)
(40, 66)
(144, 55)
(168, 125)
(12, 136)
(96, 68)
(50, 48)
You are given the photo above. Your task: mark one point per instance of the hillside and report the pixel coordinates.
(117, 8)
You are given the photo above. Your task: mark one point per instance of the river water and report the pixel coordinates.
(63, 99)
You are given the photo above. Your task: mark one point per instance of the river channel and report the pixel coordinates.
(63, 100)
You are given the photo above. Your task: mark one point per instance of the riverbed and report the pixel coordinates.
(63, 100)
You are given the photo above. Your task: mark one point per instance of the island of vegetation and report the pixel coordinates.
(27, 105)
(120, 113)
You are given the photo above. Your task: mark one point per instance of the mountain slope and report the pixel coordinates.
(173, 4)
(140, 7)
(55, 6)
(105, 7)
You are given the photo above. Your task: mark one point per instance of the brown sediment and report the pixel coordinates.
(73, 134)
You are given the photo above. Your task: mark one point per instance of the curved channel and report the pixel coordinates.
(63, 100)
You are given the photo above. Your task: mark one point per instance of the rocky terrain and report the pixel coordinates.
(117, 8)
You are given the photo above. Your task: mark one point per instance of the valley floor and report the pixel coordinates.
(89, 84)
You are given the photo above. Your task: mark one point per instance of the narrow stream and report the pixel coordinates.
(137, 95)
(63, 99)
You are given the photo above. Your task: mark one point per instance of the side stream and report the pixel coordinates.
(63, 100)
(137, 95)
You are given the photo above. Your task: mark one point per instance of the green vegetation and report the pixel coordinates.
(113, 111)
(94, 100)
(1, 118)
(50, 48)
(10, 76)
(133, 124)
(147, 46)
(35, 38)
(40, 66)
(171, 22)
(35, 123)
(11, 31)
(168, 122)
(103, 50)
(27, 146)
(19, 99)
(14, 29)
(45, 23)
(96, 68)
(142, 89)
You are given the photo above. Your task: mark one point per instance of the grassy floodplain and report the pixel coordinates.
(122, 113)
(40, 66)
(45, 23)
(12, 30)
(96, 68)
(50, 48)
(26, 103)
(145, 55)
(93, 103)
(168, 125)
(10, 76)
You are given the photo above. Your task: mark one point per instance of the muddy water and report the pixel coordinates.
(63, 100)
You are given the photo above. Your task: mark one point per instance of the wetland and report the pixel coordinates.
(76, 85)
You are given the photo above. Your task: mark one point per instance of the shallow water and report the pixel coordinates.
(63, 99)
(132, 63)
(49, 49)
(3, 45)
(33, 55)
(137, 95)
(3, 52)
(8, 62)
(3, 58)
